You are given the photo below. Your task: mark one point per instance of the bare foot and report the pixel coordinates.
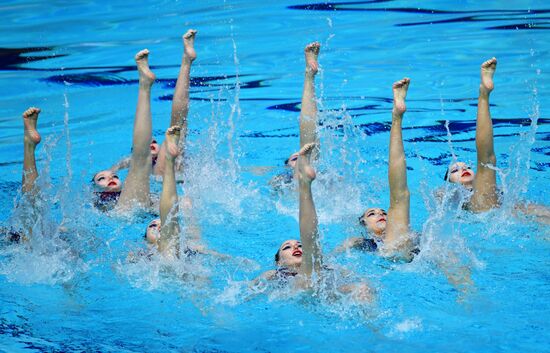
(399, 94)
(304, 170)
(189, 45)
(172, 138)
(488, 69)
(146, 76)
(312, 51)
(30, 117)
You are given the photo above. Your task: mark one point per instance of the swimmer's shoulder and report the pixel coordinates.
(353, 242)
(266, 276)
(367, 244)
(269, 275)
(141, 254)
(454, 195)
(363, 244)
(356, 243)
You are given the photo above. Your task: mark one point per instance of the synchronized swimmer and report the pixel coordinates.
(147, 158)
(389, 232)
(298, 263)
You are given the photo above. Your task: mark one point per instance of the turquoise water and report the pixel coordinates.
(74, 291)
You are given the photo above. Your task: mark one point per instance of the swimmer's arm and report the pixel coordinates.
(132, 258)
(439, 194)
(122, 164)
(540, 213)
(259, 284)
(193, 232)
(258, 170)
(266, 276)
(360, 292)
(205, 251)
(350, 243)
(63, 228)
(458, 275)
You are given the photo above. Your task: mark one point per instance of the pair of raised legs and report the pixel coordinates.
(304, 258)
(312, 258)
(136, 189)
(293, 256)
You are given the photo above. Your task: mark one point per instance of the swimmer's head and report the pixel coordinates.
(289, 254)
(152, 234)
(461, 173)
(291, 161)
(11, 235)
(374, 220)
(155, 148)
(107, 181)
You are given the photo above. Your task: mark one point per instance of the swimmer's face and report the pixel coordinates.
(290, 254)
(374, 220)
(153, 231)
(107, 181)
(461, 173)
(292, 160)
(155, 148)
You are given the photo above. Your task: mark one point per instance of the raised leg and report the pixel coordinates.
(136, 187)
(180, 100)
(485, 189)
(169, 220)
(30, 140)
(397, 228)
(308, 113)
(309, 233)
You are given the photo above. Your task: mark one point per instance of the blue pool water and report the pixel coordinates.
(74, 291)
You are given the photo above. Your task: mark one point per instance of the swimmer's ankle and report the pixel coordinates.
(146, 76)
(189, 53)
